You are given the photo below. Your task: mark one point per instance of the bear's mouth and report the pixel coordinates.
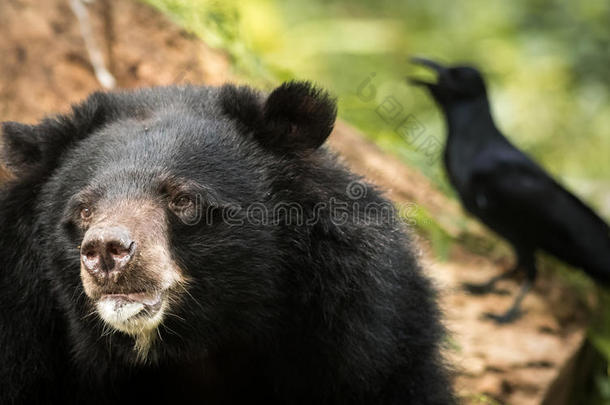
(132, 311)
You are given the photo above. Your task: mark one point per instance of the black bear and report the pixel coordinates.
(198, 245)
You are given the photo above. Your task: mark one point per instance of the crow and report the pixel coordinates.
(508, 191)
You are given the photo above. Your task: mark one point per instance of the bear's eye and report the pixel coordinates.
(181, 203)
(85, 213)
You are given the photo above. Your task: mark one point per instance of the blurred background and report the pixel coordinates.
(547, 64)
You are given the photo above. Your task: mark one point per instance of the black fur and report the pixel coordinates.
(294, 117)
(284, 312)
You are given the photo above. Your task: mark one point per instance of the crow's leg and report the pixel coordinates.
(514, 312)
(489, 286)
(525, 260)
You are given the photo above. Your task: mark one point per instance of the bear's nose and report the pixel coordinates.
(105, 251)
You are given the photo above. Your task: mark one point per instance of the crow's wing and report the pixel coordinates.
(519, 199)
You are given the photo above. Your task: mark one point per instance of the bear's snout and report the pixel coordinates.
(106, 252)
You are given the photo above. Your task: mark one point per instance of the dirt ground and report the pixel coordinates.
(44, 67)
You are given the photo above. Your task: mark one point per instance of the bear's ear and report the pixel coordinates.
(20, 147)
(26, 148)
(295, 117)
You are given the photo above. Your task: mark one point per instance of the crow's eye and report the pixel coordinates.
(85, 213)
(455, 74)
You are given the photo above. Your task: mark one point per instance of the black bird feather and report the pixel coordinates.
(508, 191)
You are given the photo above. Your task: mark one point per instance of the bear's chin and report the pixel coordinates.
(136, 314)
(132, 313)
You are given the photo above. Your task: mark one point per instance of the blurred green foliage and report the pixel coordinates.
(547, 64)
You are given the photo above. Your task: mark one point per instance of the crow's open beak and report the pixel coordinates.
(437, 67)
(428, 63)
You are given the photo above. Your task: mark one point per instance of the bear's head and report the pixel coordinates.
(144, 210)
